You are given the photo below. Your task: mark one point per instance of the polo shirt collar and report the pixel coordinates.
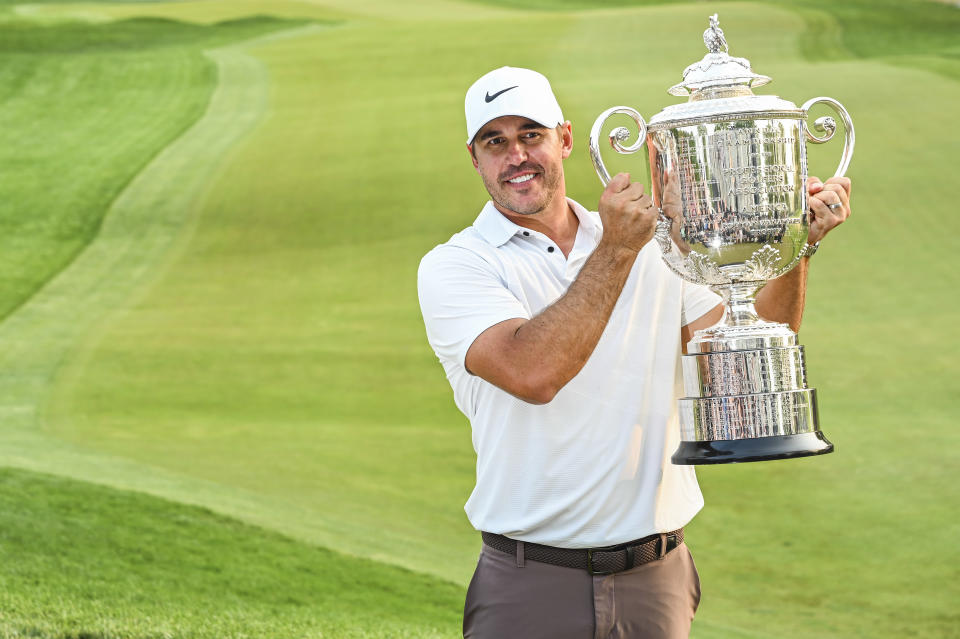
(589, 220)
(496, 229)
(493, 226)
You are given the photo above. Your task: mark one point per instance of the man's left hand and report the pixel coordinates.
(829, 205)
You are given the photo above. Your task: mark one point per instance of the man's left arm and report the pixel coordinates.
(782, 299)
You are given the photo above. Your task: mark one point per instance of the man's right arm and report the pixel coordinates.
(534, 358)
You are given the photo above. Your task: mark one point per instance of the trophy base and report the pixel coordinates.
(730, 451)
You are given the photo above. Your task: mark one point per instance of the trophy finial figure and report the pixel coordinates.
(713, 37)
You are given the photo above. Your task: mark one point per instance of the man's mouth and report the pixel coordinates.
(520, 179)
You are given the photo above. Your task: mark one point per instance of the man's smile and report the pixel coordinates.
(521, 175)
(520, 179)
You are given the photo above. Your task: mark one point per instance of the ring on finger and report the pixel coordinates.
(834, 207)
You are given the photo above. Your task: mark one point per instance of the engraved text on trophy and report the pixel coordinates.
(742, 183)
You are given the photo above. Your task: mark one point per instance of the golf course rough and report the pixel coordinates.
(209, 296)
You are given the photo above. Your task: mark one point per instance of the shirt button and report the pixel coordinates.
(527, 233)
(549, 249)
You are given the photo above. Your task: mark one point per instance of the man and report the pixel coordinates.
(560, 332)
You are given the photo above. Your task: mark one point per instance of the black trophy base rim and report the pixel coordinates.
(731, 451)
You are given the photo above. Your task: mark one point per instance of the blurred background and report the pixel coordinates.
(219, 416)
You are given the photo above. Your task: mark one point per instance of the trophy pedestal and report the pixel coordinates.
(748, 450)
(747, 397)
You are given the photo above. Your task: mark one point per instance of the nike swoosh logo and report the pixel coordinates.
(490, 98)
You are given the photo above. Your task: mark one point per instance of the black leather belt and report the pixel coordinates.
(596, 561)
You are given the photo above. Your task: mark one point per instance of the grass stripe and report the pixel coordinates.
(141, 232)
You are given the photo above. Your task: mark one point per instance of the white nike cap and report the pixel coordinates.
(511, 91)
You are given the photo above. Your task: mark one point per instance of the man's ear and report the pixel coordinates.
(566, 138)
(473, 158)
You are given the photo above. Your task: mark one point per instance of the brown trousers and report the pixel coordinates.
(513, 598)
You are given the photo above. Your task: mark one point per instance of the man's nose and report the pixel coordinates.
(516, 153)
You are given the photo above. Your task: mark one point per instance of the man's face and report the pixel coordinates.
(521, 162)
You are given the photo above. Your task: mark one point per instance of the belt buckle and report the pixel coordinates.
(667, 543)
(590, 565)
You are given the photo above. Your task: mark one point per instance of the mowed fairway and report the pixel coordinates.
(241, 331)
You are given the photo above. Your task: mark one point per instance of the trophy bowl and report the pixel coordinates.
(728, 172)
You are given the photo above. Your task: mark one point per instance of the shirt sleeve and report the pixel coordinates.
(461, 296)
(698, 300)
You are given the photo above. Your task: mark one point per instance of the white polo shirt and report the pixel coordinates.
(592, 467)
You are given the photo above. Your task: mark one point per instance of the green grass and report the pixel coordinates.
(895, 30)
(80, 560)
(242, 333)
(84, 108)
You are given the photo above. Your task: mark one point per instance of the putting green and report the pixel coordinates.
(243, 333)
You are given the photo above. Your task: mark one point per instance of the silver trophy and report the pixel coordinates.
(729, 172)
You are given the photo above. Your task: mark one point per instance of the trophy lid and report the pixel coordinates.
(720, 86)
(718, 74)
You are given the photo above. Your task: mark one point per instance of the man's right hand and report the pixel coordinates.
(628, 214)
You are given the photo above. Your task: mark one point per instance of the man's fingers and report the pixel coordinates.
(828, 197)
(829, 207)
(644, 203)
(634, 191)
(621, 189)
(841, 186)
(828, 202)
(843, 182)
(823, 218)
(814, 185)
(625, 195)
(836, 200)
(836, 190)
(619, 182)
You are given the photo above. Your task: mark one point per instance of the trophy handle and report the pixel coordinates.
(829, 126)
(617, 136)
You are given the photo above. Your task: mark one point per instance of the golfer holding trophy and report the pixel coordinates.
(560, 330)
(729, 173)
